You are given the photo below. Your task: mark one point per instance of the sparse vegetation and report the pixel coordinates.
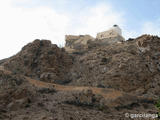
(158, 106)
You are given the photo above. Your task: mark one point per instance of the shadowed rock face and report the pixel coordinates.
(41, 60)
(100, 81)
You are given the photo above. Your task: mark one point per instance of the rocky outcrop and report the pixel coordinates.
(122, 66)
(86, 98)
(41, 60)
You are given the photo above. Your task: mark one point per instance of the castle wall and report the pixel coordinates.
(77, 42)
(82, 42)
(112, 32)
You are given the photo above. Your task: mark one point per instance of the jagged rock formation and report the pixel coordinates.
(41, 60)
(100, 81)
(122, 66)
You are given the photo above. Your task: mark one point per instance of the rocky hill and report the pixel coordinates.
(41, 60)
(88, 79)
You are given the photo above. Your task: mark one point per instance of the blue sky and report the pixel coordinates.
(22, 21)
(136, 11)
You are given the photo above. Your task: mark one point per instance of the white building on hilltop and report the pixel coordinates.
(117, 29)
(111, 33)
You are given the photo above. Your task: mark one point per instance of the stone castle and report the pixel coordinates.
(112, 32)
(113, 35)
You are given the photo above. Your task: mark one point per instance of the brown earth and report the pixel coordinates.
(102, 82)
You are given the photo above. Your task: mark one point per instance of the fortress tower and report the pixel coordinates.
(111, 33)
(81, 42)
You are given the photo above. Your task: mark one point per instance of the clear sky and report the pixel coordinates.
(22, 21)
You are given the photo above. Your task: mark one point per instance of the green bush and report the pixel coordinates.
(158, 106)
